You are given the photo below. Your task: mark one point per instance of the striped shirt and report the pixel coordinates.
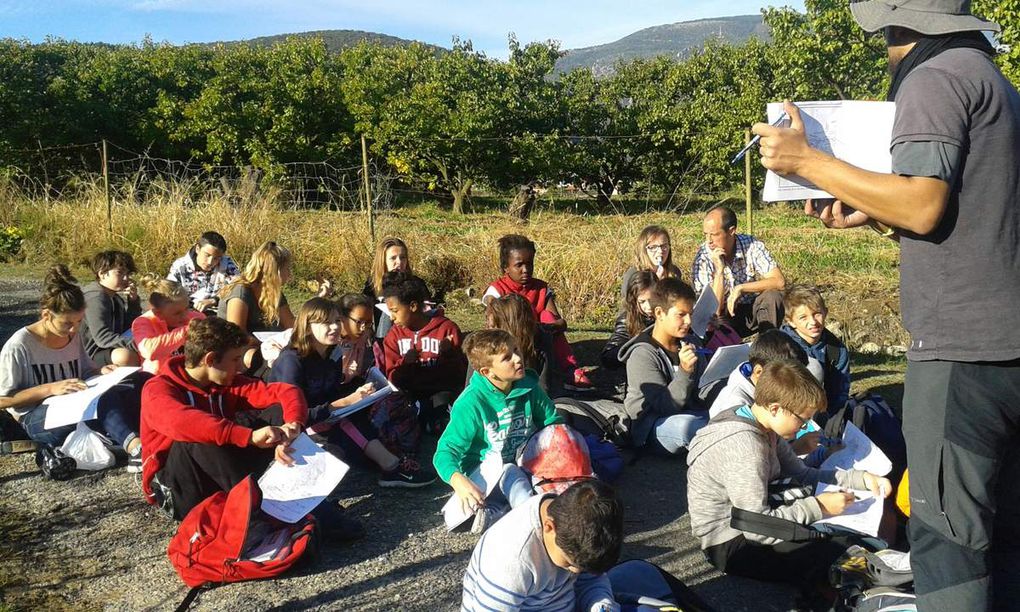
(751, 262)
(511, 570)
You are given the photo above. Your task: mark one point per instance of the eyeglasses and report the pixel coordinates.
(656, 247)
(803, 421)
(361, 324)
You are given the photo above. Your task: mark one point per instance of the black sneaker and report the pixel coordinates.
(54, 464)
(335, 524)
(408, 475)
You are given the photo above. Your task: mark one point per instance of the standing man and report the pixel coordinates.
(746, 279)
(954, 202)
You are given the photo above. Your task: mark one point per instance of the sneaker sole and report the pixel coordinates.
(133, 469)
(397, 484)
(576, 388)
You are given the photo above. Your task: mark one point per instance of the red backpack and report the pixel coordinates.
(228, 538)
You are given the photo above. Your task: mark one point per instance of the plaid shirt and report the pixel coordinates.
(751, 261)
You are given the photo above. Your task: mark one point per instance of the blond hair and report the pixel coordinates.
(802, 295)
(482, 346)
(265, 268)
(379, 261)
(163, 291)
(641, 259)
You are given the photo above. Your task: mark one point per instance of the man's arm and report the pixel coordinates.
(913, 203)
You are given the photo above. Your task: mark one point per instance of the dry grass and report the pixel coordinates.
(582, 257)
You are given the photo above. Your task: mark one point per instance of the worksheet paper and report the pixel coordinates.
(273, 342)
(724, 360)
(859, 133)
(485, 477)
(383, 388)
(289, 493)
(858, 453)
(81, 405)
(705, 308)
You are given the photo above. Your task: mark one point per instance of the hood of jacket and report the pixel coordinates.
(725, 424)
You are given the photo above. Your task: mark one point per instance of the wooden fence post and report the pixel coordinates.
(106, 191)
(368, 194)
(747, 184)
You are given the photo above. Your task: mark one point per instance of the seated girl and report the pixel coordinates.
(161, 331)
(635, 317)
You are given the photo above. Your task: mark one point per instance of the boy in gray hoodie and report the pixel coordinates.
(663, 366)
(731, 462)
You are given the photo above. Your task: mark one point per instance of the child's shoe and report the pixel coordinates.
(486, 517)
(408, 475)
(134, 464)
(580, 383)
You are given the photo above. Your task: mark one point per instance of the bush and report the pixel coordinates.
(11, 238)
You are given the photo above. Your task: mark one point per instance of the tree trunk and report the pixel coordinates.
(461, 196)
(523, 203)
(605, 195)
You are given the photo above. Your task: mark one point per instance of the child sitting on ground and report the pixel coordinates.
(517, 261)
(47, 358)
(663, 367)
(308, 363)
(653, 253)
(421, 355)
(160, 332)
(204, 427)
(501, 407)
(805, 323)
(550, 553)
(633, 319)
(733, 459)
(111, 305)
(513, 314)
(204, 271)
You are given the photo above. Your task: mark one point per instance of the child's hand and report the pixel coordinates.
(834, 503)
(283, 454)
(471, 497)
(807, 443)
(106, 369)
(267, 437)
(879, 486)
(291, 430)
(201, 305)
(688, 357)
(68, 385)
(446, 344)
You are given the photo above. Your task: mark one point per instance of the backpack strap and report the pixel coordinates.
(773, 527)
(191, 597)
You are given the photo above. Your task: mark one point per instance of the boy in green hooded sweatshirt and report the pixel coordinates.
(501, 407)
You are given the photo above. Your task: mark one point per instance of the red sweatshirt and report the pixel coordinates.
(156, 342)
(175, 409)
(536, 291)
(439, 368)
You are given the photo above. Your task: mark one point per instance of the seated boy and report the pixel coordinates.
(663, 367)
(517, 261)
(805, 322)
(111, 306)
(551, 553)
(497, 413)
(421, 354)
(200, 431)
(769, 346)
(733, 459)
(204, 270)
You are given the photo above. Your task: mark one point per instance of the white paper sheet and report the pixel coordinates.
(81, 405)
(858, 453)
(724, 360)
(486, 477)
(291, 492)
(705, 308)
(383, 388)
(856, 132)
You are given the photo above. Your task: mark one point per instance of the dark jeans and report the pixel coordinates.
(193, 471)
(117, 415)
(962, 428)
(763, 314)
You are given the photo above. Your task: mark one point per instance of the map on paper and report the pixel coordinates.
(486, 477)
(289, 493)
(705, 308)
(724, 360)
(856, 132)
(81, 405)
(858, 453)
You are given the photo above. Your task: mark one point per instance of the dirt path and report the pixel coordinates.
(92, 543)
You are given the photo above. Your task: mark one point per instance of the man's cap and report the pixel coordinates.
(931, 17)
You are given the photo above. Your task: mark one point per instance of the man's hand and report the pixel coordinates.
(267, 437)
(835, 214)
(688, 357)
(733, 298)
(716, 255)
(834, 502)
(471, 497)
(879, 486)
(784, 150)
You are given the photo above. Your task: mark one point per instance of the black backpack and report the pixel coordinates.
(873, 416)
(603, 419)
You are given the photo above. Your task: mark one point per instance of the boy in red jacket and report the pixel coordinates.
(200, 429)
(421, 353)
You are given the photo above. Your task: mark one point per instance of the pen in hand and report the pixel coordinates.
(740, 155)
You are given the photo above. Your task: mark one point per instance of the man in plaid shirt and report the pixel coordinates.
(746, 279)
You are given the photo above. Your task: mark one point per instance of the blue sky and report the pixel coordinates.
(574, 23)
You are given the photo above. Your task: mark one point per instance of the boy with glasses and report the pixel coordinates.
(733, 459)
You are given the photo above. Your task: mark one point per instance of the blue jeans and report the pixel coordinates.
(117, 411)
(673, 433)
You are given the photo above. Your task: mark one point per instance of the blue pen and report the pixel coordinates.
(739, 156)
(704, 351)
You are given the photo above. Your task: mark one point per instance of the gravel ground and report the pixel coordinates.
(92, 543)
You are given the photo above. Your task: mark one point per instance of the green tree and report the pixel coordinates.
(1007, 14)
